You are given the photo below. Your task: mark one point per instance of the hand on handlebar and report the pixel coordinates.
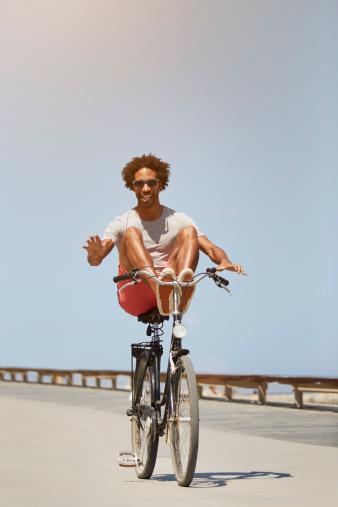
(237, 268)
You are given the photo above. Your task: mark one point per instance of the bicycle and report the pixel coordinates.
(180, 420)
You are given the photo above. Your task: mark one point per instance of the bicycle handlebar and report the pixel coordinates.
(134, 273)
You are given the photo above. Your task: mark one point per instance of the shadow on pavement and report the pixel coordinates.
(219, 479)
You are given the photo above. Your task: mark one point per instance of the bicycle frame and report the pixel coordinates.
(154, 351)
(148, 364)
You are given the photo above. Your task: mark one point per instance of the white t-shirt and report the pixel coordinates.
(158, 235)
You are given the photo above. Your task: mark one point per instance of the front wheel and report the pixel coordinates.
(184, 422)
(143, 433)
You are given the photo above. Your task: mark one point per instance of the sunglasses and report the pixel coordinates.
(140, 183)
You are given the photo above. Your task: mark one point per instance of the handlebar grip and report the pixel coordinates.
(223, 280)
(126, 276)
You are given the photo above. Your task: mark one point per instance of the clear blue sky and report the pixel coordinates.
(241, 99)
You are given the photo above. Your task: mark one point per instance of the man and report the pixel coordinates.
(160, 240)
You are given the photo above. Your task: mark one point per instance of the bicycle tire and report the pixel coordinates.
(143, 444)
(184, 422)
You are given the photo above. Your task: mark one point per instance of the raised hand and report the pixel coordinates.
(97, 249)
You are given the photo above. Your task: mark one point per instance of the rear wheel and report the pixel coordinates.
(184, 422)
(143, 428)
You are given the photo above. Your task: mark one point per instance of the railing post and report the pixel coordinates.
(262, 393)
(228, 393)
(298, 397)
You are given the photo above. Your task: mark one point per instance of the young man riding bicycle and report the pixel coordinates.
(156, 238)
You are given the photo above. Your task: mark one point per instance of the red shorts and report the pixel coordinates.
(136, 299)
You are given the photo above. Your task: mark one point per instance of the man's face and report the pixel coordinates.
(147, 196)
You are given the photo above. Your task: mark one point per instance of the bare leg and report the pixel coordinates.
(186, 251)
(133, 254)
(185, 255)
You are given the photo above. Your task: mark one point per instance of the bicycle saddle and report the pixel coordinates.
(152, 316)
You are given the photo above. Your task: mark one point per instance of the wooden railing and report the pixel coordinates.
(257, 382)
(260, 383)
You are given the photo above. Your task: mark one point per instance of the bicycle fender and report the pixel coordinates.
(138, 351)
(180, 353)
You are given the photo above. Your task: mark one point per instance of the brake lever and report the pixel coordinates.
(219, 280)
(223, 281)
(134, 275)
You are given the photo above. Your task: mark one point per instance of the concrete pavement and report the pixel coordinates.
(59, 447)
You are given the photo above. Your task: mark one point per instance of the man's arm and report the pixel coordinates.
(97, 250)
(218, 256)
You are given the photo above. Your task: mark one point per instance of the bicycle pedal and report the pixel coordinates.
(127, 459)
